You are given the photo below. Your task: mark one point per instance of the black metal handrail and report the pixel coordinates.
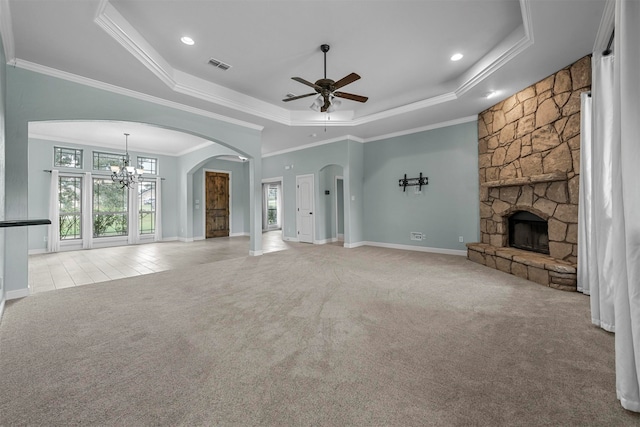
(24, 222)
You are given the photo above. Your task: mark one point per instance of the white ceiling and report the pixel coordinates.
(401, 48)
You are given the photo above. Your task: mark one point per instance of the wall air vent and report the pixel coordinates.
(219, 64)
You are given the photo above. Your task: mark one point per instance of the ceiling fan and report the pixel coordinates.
(327, 88)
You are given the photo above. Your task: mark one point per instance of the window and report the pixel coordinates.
(67, 157)
(103, 161)
(70, 200)
(149, 164)
(109, 208)
(147, 207)
(272, 205)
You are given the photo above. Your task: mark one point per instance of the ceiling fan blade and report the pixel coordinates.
(346, 80)
(293, 98)
(351, 96)
(305, 82)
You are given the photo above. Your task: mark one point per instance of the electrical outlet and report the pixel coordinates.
(45, 239)
(460, 239)
(416, 235)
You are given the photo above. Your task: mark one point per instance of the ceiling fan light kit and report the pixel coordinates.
(327, 89)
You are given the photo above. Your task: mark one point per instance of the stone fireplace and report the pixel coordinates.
(529, 165)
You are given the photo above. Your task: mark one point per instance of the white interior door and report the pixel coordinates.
(304, 205)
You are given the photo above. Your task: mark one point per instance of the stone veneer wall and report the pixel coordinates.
(529, 159)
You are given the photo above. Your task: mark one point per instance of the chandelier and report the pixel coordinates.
(126, 175)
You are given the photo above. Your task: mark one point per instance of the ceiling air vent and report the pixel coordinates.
(219, 64)
(290, 95)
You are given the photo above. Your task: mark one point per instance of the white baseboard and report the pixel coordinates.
(325, 241)
(20, 293)
(354, 245)
(169, 239)
(1, 309)
(37, 251)
(242, 234)
(416, 248)
(199, 238)
(185, 239)
(255, 253)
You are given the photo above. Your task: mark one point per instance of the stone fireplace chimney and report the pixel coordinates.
(529, 165)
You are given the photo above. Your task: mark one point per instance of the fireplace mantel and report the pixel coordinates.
(524, 180)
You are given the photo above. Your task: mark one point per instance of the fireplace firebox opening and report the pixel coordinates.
(529, 232)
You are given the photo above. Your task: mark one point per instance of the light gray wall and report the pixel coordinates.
(33, 97)
(41, 158)
(354, 195)
(309, 161)
(239, 196)
(375, 207)
(448, 206)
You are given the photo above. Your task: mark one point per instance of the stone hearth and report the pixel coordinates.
(529, 160)
(532, 266)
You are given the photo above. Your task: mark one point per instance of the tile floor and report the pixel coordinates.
(60, 270)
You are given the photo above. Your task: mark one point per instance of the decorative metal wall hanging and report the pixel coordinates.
(407, 182)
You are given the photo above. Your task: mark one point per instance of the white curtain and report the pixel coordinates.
(134, 233)
(626, 203)
(53, 239)
(87, 209)
(609, 257)
(595, 210)
(587, 265)
(158, 230)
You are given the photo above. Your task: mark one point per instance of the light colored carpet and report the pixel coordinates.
(317, 335)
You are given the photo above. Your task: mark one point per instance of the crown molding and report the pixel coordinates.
(514, 44)
(424, 128)
(115, 25)
(314, 144)
(418, 105)
(108, 18)
(52, 72)
(375, 138)
(6, 31)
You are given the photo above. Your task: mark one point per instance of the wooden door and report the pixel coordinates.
(217, 204)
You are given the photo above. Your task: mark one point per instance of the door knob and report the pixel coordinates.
(310, 213)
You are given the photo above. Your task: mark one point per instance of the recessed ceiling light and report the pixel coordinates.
(187, 40)
(491, 94)
(457, 57)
